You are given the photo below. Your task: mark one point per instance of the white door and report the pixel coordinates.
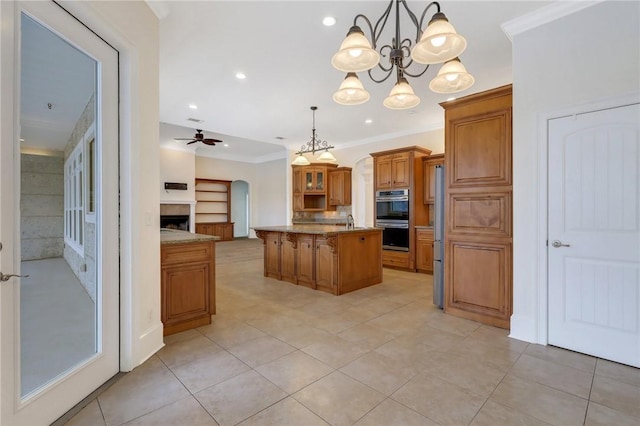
(59, 216)
(594, 233)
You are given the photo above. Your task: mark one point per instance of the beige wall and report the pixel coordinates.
(177, 166)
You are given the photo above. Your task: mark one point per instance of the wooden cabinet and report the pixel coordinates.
(310, 187)
(334, 262)
(393, 171)
(187, 285)
(222, 230)
(478, 207)
(430, 164)
(306, 260)
(213, 208)
(424, 250)
(340, 187)
(403, 168)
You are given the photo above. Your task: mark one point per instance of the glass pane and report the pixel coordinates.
(309, 180)
(58, 316)
(320, 182)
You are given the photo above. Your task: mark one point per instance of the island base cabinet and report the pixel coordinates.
(360, 264)
(326, 265)
(272, 255)
(306, 261)
(288, 262)
(187, 285)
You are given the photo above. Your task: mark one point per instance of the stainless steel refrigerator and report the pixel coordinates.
(438, 240)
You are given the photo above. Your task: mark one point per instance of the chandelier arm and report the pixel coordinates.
(379, 27)
(416, 75)
(388, 71)
(411, 14)
(424, 12)
(368, 22)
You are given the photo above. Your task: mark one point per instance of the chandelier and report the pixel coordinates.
(313, 146)
(438, 43)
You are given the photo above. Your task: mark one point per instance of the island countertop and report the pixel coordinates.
(313, 229)
(175, 236)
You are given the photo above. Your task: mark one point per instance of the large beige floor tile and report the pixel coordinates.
(367, 336)
(449, 323)
(567, 379)
(599, 415)
(261, 350)
(498, 357)
(145, 389)
(287, 412)
(439, 400)
(181, 337)
(380, 372)
(427, 335)
(563, 357)
(294, 371)
(497, 337)
(301, 335)
(391, 413)
(208, 371)
(464, 370)
(91, 415)
(335, 351)
(187, 351)
(617, 395)
(494, 414)
(184, 412)
(232, 334)
(539, 401)
(613, 370)
(239, 398)
(338, 399)
(406, 352)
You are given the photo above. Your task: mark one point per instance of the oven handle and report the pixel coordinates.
(404, 198)
(398, 226)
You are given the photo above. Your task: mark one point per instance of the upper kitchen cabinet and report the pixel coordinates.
(430, 164)
(340, 187)
(478, 207)
(311, 187)
(395, 168)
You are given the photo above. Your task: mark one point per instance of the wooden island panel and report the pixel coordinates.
(336, 261)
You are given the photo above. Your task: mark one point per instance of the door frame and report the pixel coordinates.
(541, 302)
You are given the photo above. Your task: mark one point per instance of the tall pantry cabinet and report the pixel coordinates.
(478, 235)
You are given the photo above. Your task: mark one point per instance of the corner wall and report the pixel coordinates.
(561, 65)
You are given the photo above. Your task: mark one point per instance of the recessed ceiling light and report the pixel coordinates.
(21, 139)
(453, 98)
(328, 21)
(192, 106)
(241, 76)
(368, 121)
(226, 145)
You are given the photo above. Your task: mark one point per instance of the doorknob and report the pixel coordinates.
(558, 244)
(4, 277)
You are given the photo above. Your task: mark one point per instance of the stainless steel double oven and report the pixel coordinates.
(392, 215)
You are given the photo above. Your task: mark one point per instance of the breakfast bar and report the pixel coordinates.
(333, 259)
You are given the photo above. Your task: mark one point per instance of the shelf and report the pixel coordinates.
(213, 200)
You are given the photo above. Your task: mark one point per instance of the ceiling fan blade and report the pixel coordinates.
(210, 142)
(189, 143)
(183, 139)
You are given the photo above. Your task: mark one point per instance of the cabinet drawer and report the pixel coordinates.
(191, 252)
(394, 258)
(424, 234)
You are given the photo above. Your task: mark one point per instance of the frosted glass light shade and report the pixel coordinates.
(301, 160)
(401, 96)
(452, 77)
(351, 91)
(327, 156)
(355, 53)
(439, 42)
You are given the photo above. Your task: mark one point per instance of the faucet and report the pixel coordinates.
(350, 222)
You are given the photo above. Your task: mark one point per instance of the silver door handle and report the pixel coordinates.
(4, 277)
(558, 244)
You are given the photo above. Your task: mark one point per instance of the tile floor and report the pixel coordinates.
(278, 354)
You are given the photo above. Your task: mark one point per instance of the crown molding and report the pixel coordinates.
(545, 15)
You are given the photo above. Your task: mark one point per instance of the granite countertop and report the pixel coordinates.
(313, 229)
(174, 236)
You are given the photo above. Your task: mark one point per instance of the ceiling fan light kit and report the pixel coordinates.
(314, 145)
(438, 43)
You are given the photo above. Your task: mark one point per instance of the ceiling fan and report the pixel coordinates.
(199, 137)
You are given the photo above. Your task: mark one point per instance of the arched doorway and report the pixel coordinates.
(240, 208)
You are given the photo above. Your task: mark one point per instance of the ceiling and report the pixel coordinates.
(285, 52)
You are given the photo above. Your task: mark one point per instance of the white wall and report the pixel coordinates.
(591, 55)
(177, 166)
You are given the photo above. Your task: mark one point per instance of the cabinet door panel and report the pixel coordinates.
(326, 265)
(306, 261)
(186, 292)
(272, 255)
(288, 259)
(401, 170)
(383, 173)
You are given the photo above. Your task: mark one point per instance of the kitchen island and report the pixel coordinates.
(188, 280)
(329, 258)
